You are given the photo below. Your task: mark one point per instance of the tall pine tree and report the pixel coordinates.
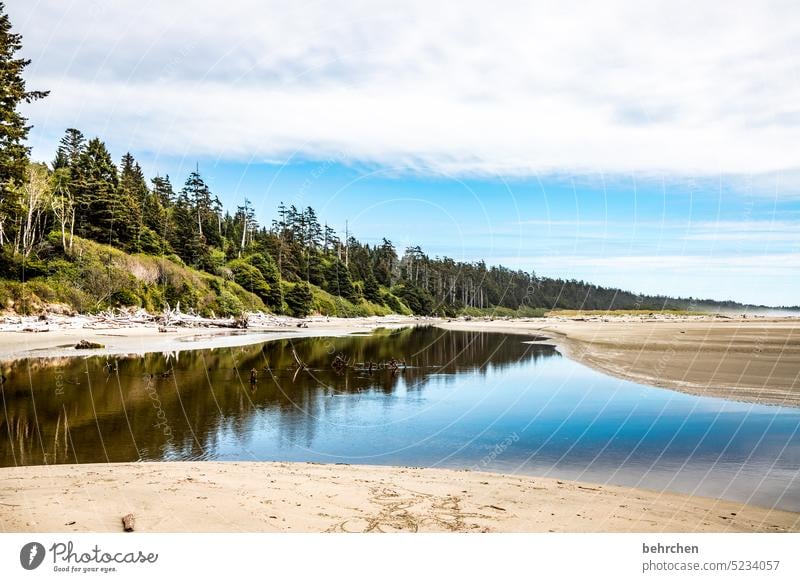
(132, 194)
(69, 149)
(95, 187)
(13, 126)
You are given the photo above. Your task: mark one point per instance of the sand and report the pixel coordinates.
(747, 359)
(58, 336)
(301, 497)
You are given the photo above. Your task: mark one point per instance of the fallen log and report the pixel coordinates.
(87, 345)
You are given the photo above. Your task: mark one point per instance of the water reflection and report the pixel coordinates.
(421, 396)
(67, 410)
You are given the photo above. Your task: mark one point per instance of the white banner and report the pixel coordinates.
(400, 556)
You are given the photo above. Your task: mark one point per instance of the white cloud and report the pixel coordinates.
(615, 87)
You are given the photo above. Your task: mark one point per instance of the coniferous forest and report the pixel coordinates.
(91, 232)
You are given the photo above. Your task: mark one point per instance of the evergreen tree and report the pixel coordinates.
(132, 195)
(205, 208)
(385, 263)
(13, 129)
(184, 236)
(70, 147)
(157, 208)
(162, 188)
(372, 291)
(338, 282)
(330, 240)
(299, 299)
(95, 182)
(246, 224)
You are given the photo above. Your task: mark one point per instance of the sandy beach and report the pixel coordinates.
(300, 497)
(745, 359)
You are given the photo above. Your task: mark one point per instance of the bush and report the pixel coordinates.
(149, 242)
(394, 304)
(124, 298)
(250, 278)
(269, 271)
(229, 304)
(94, 276)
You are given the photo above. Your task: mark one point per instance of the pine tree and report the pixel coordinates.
(95, 182)
(385, 263)
(156, 211)
(205, 208)
(246, 221)
(299, 299)
(372, 291)
(13, 128)
(132, 195)
(69, 149)
(184, 236)
(338, 282)
(162, 188)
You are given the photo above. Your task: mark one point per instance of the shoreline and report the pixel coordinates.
(208, 496)
(754, 360)
(170, 496)
(745, 359)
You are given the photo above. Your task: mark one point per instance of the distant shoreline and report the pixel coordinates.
(307, 497)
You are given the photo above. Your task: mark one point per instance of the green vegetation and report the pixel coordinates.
(91, 276)
(84, 232)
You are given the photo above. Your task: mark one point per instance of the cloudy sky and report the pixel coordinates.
(648, 145)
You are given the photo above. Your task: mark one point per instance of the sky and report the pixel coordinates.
(651, 146)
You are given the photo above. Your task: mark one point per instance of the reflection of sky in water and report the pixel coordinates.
(481, 401)
(551, 417)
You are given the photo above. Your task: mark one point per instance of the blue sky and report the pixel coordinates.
(632, 146)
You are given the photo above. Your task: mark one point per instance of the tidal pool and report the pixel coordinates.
(483, 401)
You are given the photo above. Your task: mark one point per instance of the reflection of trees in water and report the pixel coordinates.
(94, 409)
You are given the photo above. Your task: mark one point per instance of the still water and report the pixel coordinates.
(484, 401)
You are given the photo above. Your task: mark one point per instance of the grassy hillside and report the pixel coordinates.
(91, 277)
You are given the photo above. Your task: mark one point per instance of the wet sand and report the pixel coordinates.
(752, 360)
(301, 497)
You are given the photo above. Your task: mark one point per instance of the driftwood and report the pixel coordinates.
(340, 363)
(175, 318)
(128, 522)
(298, 361)
(87, 345)
(169, 320)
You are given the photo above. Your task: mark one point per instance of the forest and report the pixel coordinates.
(87, 232)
